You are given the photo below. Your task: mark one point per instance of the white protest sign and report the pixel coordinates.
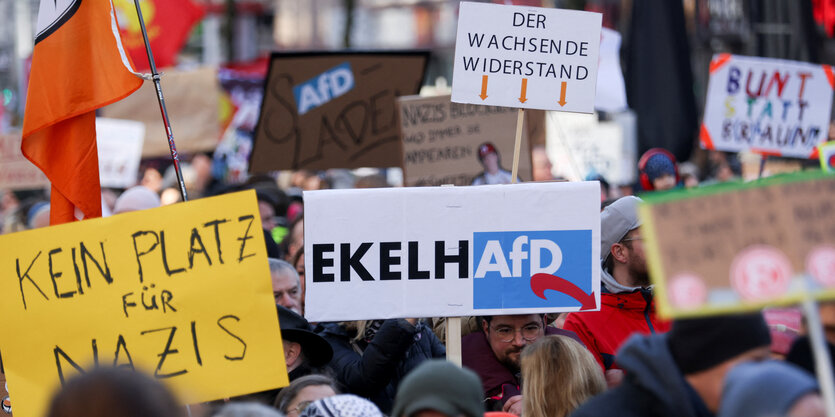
(526, 57)
(611, 88)
(120, 150)
(769, 106)
(452, 251)
(580, 144)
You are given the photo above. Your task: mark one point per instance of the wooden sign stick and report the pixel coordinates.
(520, 121)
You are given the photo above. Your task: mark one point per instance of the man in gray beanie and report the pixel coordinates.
(439, 388)
(626, 297)
(770, 388)
(682, 373)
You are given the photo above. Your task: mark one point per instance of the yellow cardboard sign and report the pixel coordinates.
(181, 292)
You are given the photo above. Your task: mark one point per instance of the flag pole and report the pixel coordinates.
(155, 75)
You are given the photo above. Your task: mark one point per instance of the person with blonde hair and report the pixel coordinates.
(558, 375)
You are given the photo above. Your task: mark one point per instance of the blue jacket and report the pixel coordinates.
(396, 349)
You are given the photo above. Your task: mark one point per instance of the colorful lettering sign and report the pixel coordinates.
(769, 106)
(181, 292)
(741, 246)
(452, 251)
(526, 57)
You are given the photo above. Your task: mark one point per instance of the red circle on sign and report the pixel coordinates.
(821, 265)
(831, 161)
(687, 291)
(761, 273)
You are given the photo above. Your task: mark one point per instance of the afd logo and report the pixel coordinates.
(324, 87)
(532, 269)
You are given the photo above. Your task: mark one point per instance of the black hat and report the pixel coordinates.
(702, 343)
(295, 328)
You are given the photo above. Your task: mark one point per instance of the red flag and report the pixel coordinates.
(168, 23)
(78, 65)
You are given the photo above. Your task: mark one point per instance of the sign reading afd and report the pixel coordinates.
(324, 87)
(516, 269)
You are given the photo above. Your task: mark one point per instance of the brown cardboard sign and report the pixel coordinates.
(441, 140)
(191, 99)
(16, 172)
(334, 110)
(742, 246)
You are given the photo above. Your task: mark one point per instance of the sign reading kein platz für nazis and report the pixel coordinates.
(526, 57)
(452, 251)
(181, 292)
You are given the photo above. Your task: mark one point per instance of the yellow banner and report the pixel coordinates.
(182, 292)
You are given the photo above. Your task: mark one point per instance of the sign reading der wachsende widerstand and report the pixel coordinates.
(452, 251)
(526, 57)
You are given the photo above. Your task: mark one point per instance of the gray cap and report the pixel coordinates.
(440, 386)
(616, 220)
(764, 389)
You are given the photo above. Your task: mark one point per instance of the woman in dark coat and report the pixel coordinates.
(370, 358)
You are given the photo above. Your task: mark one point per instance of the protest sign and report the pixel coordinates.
(441, 140)
(17, 172)
(826, 153)
(741, 246)
(581, 146)
(120, 150)
(192, 98)
(452, 251)
(769, 106)
(526, 57)
(181, 292)
(611, 88)
(334, 110)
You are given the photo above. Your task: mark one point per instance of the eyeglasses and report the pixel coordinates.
(633, 238)
(530, 333)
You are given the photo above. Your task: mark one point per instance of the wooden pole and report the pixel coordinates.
(453, 340)
(520, 122)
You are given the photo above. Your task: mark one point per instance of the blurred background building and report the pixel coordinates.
(666, 42)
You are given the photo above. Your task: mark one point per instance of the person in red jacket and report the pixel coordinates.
(626, 295)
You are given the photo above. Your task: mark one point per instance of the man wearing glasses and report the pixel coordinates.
(626, 294)
(493, 354)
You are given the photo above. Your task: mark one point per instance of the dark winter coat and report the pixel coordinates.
(396, 348)
(653, 385)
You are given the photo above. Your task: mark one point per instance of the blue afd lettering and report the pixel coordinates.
(504, 263)
(324, 87)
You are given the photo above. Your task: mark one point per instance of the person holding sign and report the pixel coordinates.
(370, 358)
(627, 300)
(493, 171)
(494, 354)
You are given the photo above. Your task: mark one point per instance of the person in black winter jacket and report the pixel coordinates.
(370, 358)
(681, 373)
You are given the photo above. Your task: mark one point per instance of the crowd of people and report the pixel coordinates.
(620, 360)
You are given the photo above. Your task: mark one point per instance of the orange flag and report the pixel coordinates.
(78, 65)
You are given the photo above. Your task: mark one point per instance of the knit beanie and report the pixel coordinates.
(659, 165)
(700, 344)
(440, 386)
(764, 389)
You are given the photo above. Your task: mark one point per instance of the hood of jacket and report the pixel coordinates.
(649, 365)
(611, 285)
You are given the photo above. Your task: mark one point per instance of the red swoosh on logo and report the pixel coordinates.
(541, 282)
